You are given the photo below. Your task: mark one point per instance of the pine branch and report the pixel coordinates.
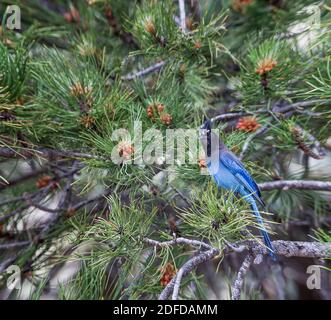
(296, 184)
(153, 68)
(188, 267)
(239, 281)
(45, 153)
(282, 248)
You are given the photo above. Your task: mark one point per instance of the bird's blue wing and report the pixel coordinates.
(234, 165)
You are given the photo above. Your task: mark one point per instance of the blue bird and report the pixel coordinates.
(230, 174)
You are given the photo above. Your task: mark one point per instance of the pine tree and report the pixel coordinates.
(83, 81)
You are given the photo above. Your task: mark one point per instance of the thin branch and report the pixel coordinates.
(296, 184)
(182, 15)
(85, 202)
(188, 267)
(178, 241)
(153, 68)
(24, 177)
(178, 280)
(286, 110)
(45, 153)
(12, 245)
(238, 283)
(314, 141)
(248, 141)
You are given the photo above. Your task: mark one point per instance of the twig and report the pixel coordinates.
(286, 110)
(155, 67)
(314, 141)
(41, 207)
(248, 141)
(22, 178)
(178, 241)
(187, 268)
(6, 152)
(178, 280)
(235, 248)
(238, 283)
(182, 15)
(231, 116)
(296, 184)
(84, 203)
(12, 245)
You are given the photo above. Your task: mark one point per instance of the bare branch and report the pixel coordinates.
(11, 245)
(182, 15)
(187, 268)
(178, 241)
(45, 153)
(154, 67)
(238, 283)
(282, 248)
(296, 184)
(178, 280)
(248, 141)
(301, 249)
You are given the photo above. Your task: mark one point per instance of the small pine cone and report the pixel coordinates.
(72, 15)
(265, 66)
(150, 27)
(43, 182)
(70, 212)
(197, 45)
(160, 108)
(166, 118)
(248, 124)
(78, 90)
(150, 111)
(168, 272)
(87, 121)
(125, 149)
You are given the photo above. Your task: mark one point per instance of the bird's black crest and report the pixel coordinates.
(207, 126)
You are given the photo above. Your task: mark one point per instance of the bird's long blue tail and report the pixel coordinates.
(264, 233)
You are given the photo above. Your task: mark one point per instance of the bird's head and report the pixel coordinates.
(205, 136)
(205, 129)
(210, 140)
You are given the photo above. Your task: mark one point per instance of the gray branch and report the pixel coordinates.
(188, 267)
(296, 184)
(239, 281)
(248, 141)
(134, 75)
(282, 248)
(182, 15)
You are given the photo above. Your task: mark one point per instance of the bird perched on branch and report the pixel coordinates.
(229, 173)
